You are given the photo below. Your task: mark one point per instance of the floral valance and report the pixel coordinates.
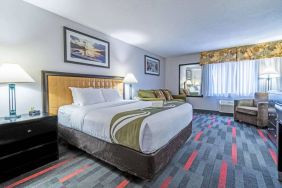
(258, 51)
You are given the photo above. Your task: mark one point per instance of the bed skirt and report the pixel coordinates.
(145, 166)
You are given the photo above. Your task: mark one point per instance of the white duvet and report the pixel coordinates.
(156, 130)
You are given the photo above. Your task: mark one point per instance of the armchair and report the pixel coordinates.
(252, 111)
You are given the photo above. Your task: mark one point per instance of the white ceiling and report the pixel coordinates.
(176, 27)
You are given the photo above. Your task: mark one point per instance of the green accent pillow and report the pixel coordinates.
(146, 94)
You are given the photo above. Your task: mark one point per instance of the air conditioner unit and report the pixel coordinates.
(226, 106)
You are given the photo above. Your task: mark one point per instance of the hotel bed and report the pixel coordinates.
(111, 131)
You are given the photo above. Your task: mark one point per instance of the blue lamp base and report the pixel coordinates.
(12, 103)
(12, 117)
(130, 92)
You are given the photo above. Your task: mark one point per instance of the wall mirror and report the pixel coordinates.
(190, 79)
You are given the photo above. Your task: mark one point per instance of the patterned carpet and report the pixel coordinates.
(220, 153)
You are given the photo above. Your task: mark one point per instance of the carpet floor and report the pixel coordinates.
(220, 153)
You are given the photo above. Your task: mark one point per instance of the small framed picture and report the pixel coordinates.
(80, 48)
(152, 66)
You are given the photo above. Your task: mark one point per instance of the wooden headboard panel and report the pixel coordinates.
(56, 85)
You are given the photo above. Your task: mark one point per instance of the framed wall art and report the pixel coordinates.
(84, 49)
(152, 66)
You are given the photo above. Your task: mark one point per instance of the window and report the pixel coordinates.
(243, 78)
(190, 79)
(230, 79)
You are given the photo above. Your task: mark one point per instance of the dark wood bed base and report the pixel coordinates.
(144, 166)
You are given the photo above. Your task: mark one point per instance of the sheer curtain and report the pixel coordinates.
(230, 79)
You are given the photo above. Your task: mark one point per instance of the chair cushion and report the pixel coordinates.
(247, 110)
(146, 94)
(177, 100)
(159, 94)
(167, 94)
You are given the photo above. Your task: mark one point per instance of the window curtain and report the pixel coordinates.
(230, 79)
(242, 53)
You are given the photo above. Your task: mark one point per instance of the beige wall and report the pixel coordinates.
(33, 38)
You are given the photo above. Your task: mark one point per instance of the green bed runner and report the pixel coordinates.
(125, 126)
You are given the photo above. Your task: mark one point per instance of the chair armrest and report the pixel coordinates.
(183, 97)
(262, 113)
(263, 108)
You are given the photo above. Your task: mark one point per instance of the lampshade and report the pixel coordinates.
(189, 82)
(13, 73)
(197, 83)
(269, 72)
(130, 79)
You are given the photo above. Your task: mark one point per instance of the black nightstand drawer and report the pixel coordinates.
(16, 160)
(18, 164)
(20, 131)
(14, 147)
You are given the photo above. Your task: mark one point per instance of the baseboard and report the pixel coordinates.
(212, 112)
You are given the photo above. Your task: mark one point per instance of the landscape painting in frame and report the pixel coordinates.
(84, 49)
(152, 66)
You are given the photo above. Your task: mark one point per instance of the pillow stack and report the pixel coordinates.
(89, 96)
(159, 94)
(164, 94)
(167, 94)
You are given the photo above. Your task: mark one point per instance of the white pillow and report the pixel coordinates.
(87, 96)
(74, 96)
(111, 95)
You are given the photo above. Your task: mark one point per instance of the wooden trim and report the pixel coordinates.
(74, 62)
(145, 56)
(212, 112)
(44, 80)
(179, 78)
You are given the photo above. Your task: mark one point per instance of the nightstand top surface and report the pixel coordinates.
(24, 117)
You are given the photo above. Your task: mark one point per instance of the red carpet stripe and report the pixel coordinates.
(262, 135)
(234, 132)
(73, 174)
(222, 175)
(38, 173)
(273, 155)
(234, 154)
(209, 126)
(198, 136)
(123, 184)
(190, 160)
(166, 182)
(229, 121)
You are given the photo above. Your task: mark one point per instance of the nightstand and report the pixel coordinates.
(27, 143)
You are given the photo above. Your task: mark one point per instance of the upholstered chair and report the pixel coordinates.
(252, 111)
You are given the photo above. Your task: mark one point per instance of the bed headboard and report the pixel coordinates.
(56, 85)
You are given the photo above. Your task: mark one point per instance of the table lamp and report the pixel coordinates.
(130, 79)
(12, 74)
(269, 73)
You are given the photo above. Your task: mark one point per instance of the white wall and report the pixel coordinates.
(33, 38)
(172, 81)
